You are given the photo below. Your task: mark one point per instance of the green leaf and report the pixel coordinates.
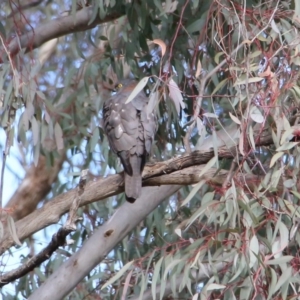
(256, 115)
(159, 6)
(150, 260)
(287, 146)
(248, 80)
(209, 165)
(170, 267)
(156, 277)
(12, 230)
(220, 85)
(193, 192)
(287, 135)
(163, 288)
(289, 183)
(275, 179)
(195, 296)
(211, 115)
(185, 281)
(153, 101)
(296, 16)
(94, 140)
(102, 9)
(275, 158)
(35, 131)
(118, 275)
(95, 12)
(286, 275)
(126, 284)
(253, 251)
(175, 95)
(284, 235)
(217, 57)
(297, 90)
(8, 94)
(273, 283)
(144, 282)
(280, 260)
(215, 286)
(251, 137)
(241, 267)
(197, 25)
(2, 31)
(36, 154)
(103, 38)
(254, 54)
(58, 133)
(234, 119)
(201, 210)
(137, 89)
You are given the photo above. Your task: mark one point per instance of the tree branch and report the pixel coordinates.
(103, 240)
(61, 26)
(51, 212)
(58, 239)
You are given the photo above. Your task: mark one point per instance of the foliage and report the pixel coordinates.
(238, 61)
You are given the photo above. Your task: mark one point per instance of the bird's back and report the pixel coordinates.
(130, 131)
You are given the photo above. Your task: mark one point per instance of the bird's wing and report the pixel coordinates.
(149, 122)
(121, 127)
(130, 133)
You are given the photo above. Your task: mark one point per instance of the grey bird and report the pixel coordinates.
(130, 131)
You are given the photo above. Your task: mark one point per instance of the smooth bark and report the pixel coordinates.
(104, 239)
(58, 27)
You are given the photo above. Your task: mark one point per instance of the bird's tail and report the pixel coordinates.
(133, 184)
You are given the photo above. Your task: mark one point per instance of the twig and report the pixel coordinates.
(201, 93)
(72, 218)
(230, 174)
(210, 74)
(24, 7)
(177, 29)
(58, 239)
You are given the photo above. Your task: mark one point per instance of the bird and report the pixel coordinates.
(130, 130)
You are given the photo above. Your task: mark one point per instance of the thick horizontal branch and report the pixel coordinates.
(97, 190)
(102, 188)
(213, 176)
(61, 26)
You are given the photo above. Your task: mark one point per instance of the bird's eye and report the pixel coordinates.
(118, 86)
(116, 89)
